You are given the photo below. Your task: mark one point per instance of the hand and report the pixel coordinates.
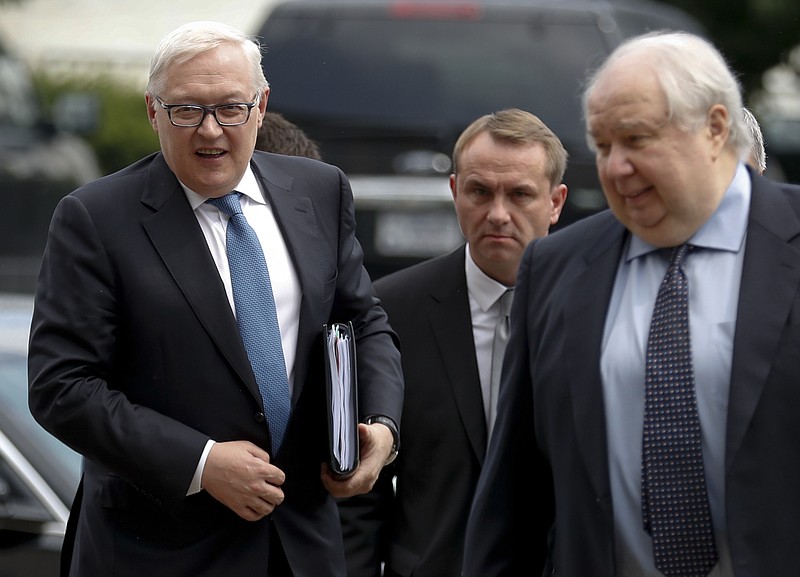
(239, 475)
(376, 442)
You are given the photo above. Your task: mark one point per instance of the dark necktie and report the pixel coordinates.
(674, 496)
(256, 315)
(498, 351)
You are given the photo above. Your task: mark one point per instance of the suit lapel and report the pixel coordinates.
(452, 330)
(176, 235)
(770, 279)
(294, 214)
(585, 321)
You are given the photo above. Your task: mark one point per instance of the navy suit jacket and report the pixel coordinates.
(136, 362)
(420, 530)
(551, 419)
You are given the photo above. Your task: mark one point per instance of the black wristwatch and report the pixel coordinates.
(395, 434)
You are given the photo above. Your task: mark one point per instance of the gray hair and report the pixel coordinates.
(194, 38)
(694, 77)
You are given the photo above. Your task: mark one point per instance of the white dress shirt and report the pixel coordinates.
(285, 284)
(485, 310)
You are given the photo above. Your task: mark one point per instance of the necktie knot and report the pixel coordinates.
(229, 204)
(676, 255)
(505, 301)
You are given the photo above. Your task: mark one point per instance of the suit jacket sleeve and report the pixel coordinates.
(72, 359)
(511, 512)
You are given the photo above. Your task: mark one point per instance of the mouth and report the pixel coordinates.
(210, 153)
(497, 238)
(633, 196)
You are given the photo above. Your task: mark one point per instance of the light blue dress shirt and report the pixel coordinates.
(714, 274)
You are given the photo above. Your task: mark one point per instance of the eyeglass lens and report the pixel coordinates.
(225, 114)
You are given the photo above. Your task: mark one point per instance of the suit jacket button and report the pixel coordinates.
(259, 417)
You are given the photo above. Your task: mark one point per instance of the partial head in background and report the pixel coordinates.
(757, 157)
(283, 137)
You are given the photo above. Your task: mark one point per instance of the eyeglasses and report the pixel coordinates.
(190, 115)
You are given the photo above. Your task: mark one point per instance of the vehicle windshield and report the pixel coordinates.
(368, 86)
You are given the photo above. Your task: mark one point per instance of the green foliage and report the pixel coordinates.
(123, 134)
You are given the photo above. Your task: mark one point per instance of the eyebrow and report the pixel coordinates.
(191, 101)
(627, 124)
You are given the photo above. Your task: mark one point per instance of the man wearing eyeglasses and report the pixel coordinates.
(204, 449)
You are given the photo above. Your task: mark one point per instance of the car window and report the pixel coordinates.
(376, 78)
(59, 464)
(17, 500)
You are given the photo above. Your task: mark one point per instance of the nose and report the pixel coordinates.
(209, 126)
(618, 163)
(498, 212)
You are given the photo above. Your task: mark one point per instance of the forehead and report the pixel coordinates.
(487, 151)
(222, 71)
(499, 164)
(626, 94)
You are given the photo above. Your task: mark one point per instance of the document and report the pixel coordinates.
(342, 392)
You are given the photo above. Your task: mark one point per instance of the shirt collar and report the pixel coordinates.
(726, 228)
(481, 287)
(248, 186)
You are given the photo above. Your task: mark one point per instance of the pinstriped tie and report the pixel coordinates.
(256, 315)
(674, 495)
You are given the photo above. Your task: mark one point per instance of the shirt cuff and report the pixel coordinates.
(196, 485)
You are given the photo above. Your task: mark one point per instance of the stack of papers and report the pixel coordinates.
(342, 393)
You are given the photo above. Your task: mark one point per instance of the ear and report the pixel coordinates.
(558, 196)
(149, 102)
(453, 187)
(262, 105)
(718, 123)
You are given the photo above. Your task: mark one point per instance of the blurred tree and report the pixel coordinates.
(755, 35)
(123, 134)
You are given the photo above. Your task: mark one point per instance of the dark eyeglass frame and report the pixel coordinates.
(212, 110)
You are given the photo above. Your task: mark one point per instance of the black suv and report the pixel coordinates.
(386, 86)
(39, 163)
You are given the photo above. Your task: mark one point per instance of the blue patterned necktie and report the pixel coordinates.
(256, 315)
(674, 495)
